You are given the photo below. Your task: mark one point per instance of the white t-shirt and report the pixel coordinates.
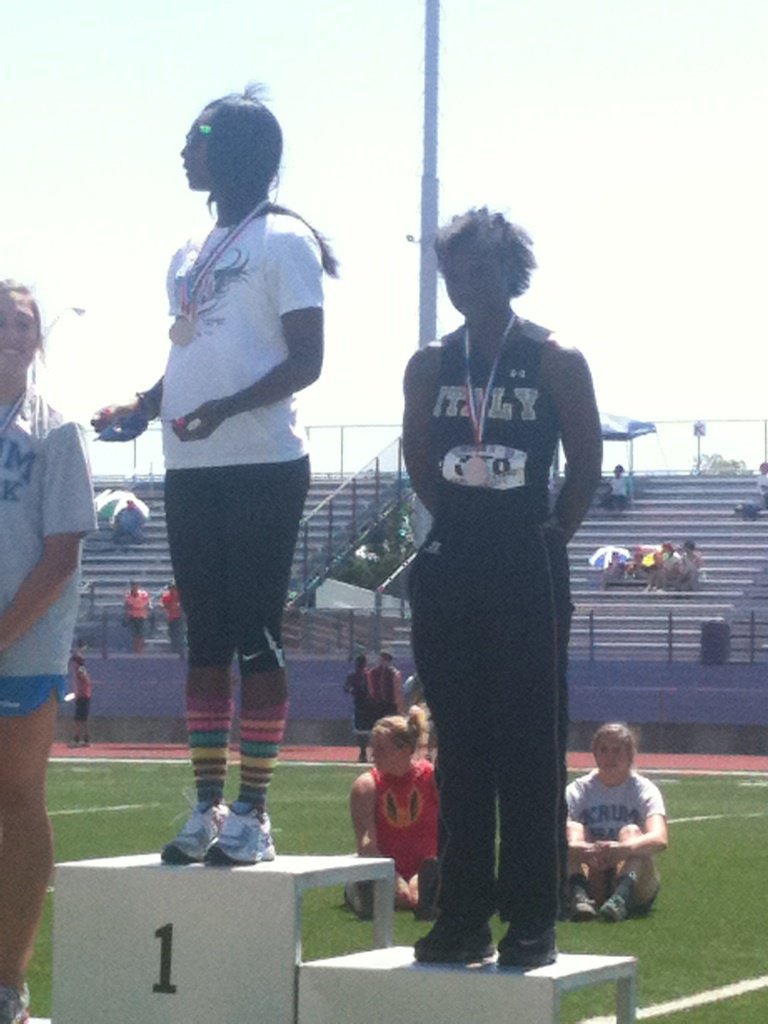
(604, 810)
(272, 267)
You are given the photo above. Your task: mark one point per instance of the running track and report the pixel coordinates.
(576, 761)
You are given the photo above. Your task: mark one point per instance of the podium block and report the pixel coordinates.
(385, 985)
(136, 940)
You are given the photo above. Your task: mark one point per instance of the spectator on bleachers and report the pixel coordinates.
(749, 511)
(394, 809)
(682, 571)
(617, 491)
(762, 485)
(128, 526)
(656, 565)
(137, 604)
(616, 825)
(615, 571)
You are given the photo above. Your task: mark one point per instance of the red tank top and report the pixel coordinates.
(406, 817)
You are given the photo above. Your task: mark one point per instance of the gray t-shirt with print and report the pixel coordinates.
(45, 489)
(604, 810)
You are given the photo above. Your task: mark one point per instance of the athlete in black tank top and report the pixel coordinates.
(484, 411)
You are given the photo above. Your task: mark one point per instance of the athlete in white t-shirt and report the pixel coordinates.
(616, 825)
(247, 334)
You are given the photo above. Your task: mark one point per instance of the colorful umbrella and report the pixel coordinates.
(605, 555)
(110, 502)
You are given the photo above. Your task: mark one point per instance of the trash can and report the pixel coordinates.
(715, 642)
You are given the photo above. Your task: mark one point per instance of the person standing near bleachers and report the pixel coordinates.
(385, 685)
(46, 507)
(137, 605)
(485, 408)
(247, 335)
(358, 686)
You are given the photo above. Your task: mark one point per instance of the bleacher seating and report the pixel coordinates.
(621, 621)
(334, 516)
(629, 621)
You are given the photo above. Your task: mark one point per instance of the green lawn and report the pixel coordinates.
(709, 928)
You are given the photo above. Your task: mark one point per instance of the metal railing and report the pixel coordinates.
(341, 522)
(680, 640)
(678, 446)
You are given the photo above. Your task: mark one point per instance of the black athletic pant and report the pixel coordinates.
(490, 620)
(232, 532)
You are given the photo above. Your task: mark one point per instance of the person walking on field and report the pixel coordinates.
(83, 691)
(485, 408)
(247, 335)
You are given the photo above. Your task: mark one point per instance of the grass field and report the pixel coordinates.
(709, 929)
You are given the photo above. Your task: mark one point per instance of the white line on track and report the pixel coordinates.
(713, 995)
(100, 810)
(717, 817)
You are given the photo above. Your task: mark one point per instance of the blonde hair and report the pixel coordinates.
(14, 289)
(618, 731)
(404, 732)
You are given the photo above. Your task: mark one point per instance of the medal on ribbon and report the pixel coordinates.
(475, 468)
(184, 327)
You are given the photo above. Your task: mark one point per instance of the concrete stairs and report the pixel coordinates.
(627, 621)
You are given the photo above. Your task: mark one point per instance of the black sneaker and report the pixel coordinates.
(358, 896)
(582, 908)
(528, 953)
(453, 942)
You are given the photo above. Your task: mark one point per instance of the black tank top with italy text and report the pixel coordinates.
(501, 486)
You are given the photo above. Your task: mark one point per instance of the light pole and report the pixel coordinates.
(429, 211)
(429, 180)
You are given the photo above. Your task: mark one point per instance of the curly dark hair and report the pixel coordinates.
(245, 147)
(507, 242)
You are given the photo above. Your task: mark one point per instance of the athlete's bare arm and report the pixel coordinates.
(566, 377)
(362, 806)
(421, 387)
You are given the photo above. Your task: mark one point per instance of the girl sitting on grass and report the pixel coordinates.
(394, 814)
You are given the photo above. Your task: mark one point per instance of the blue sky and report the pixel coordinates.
(629, 139)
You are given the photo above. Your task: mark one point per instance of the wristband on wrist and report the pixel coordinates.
(149, 401)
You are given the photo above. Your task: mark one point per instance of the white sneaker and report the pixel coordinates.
(243, 839)
(13, 1005)
(194, 840)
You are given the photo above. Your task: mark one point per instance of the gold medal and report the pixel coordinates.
(182, 330)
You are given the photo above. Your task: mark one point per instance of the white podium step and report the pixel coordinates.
(385, 985)
(136, 940)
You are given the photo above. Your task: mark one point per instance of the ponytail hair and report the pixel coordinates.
(404, 731)
(329, 261)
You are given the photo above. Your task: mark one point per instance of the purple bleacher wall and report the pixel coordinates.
(684, 692)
